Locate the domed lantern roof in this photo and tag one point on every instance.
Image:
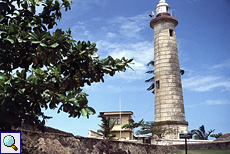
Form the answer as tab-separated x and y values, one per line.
162	7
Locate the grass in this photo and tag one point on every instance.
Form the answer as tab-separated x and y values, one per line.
205	152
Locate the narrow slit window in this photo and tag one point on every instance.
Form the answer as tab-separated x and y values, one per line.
158	84
171	32
118	121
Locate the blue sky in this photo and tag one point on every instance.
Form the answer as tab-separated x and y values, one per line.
121	28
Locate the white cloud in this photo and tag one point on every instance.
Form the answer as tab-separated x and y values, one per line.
121	88
79	26
86	33
193	1
130	27
217	102
126	40
121	37
111	35
192	105
111	87
203	83
225	64
141	52
209	102
87	4
81	31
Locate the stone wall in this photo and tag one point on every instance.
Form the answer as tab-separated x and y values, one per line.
59	142
65	143
215	145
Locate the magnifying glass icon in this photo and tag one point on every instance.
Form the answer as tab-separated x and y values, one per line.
9	141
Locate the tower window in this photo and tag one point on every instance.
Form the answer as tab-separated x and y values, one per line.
171	32
158	84
167	8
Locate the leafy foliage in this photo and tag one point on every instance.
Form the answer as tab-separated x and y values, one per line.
40	69
151	80
133	125
149	127
216	135
106	126
201	134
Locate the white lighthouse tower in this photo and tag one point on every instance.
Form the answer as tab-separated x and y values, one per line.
169	105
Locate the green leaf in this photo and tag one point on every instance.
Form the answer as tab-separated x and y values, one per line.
1	18
76	103
3	32
37	2
84	112
58	33
130	60
20	40
121	64
59	67
57	74
11	29
40	43
2	76
11	40
90	110
2	83
62	97
28	25
30	77
79	45
82	52
21	91
3	101
107	69
54	45
35	80
23	74
8	82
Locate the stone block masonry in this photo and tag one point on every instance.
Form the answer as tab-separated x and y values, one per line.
169	104
167	73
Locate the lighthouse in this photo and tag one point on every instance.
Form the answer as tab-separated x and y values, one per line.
169	104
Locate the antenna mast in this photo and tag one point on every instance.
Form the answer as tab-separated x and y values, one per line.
120	115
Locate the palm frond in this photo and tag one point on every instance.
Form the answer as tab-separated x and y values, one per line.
150	79
106	126
209	133
202	130
99	131
111	124
150	72
151	87
200	134
150	63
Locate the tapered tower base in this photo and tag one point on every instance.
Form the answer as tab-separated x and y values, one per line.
171	129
